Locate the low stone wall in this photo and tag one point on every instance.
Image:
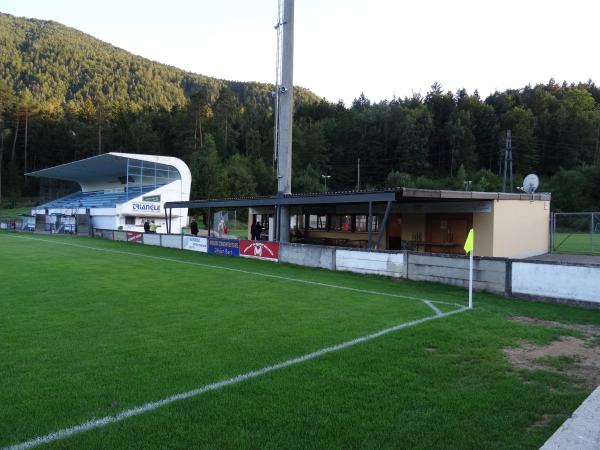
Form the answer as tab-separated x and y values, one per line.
557	281
152	239
308	255
171	240
371	263
489	274
120	236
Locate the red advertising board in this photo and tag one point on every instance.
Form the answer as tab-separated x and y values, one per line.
134	236
260	250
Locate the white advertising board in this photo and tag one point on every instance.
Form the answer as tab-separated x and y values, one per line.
197	244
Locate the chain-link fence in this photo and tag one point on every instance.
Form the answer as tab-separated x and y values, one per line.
576	232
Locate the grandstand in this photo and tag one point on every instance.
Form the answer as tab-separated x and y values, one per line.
118	191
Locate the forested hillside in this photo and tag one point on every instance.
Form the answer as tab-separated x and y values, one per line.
65	95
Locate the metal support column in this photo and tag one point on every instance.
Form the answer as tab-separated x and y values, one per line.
552	231
383	226
370	224
592	234
275	223
209	222
167	223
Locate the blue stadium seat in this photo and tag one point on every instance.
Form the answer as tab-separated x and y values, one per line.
96	199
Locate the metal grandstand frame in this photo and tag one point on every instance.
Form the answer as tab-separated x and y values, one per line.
139	171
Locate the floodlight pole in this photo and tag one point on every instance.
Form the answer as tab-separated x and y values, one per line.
285	117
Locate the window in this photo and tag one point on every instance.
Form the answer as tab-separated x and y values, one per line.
297	221
361	223
347	223
335	223
129	220
341	223
317	222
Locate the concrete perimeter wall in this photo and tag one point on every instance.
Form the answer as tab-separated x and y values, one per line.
371	263
560	281
151	239
566	283
308	255
489	274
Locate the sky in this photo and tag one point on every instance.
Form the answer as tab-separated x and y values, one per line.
382	48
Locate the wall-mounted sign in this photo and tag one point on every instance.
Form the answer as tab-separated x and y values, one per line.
151	198
197	244
145	207
224	247
260	250
134	236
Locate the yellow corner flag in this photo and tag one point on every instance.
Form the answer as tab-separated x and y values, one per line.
469	241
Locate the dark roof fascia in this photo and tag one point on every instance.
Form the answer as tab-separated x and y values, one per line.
422	194
294	199
400	194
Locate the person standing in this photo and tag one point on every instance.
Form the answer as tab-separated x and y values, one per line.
147	226
257	231
253	231
194	227
152	227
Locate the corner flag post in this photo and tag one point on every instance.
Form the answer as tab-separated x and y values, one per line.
469	249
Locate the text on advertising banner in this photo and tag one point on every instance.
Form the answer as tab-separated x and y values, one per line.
197	244
224	247
260	249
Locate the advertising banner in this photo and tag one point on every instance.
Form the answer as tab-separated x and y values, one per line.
134	236
224	247
197	244
260	250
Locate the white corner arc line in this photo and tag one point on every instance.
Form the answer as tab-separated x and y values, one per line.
428	302
151	406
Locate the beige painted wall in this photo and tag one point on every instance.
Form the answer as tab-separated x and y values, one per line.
483	224
521	228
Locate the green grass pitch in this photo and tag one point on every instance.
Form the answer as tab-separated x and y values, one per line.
91	328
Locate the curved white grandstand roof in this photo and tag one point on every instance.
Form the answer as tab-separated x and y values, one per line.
110	166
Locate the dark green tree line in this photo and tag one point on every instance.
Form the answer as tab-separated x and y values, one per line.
66	96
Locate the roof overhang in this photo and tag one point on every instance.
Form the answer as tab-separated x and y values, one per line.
103	166
440	194
106	166
290	199
356	197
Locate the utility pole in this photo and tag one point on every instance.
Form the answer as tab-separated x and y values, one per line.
358	175
285	101
508	161
597	155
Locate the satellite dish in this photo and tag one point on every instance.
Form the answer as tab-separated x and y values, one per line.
530	183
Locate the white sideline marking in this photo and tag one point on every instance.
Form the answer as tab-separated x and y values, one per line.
249	272
107	420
